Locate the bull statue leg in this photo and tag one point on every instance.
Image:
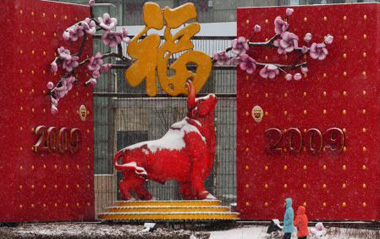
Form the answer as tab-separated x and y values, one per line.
133	182
197	150
126	187
186	191
141	192
199	187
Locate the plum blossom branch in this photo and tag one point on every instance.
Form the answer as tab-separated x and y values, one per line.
69	63
284	41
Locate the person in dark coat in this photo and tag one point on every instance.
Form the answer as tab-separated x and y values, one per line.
301	223
288	219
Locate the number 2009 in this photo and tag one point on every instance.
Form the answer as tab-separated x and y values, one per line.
60	140
313	140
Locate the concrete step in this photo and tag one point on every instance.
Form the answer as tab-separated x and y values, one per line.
168	216
183	208
169	203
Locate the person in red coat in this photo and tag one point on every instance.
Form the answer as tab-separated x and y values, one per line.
301	222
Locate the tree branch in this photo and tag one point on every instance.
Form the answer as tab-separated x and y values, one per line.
268	43
288	67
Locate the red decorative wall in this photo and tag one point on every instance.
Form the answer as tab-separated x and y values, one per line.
41	186
341	91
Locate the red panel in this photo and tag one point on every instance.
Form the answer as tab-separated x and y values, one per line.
41	186
334	94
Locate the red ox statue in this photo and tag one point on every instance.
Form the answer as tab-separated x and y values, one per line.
184	154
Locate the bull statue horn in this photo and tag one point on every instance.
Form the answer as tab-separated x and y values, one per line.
190	94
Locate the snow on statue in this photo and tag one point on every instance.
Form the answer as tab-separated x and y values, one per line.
184	154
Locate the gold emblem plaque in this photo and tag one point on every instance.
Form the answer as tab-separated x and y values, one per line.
257	113
83	112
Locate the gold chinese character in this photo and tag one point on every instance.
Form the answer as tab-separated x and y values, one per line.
152	56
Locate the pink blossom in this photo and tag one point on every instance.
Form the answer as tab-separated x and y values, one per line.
111	39
329	39
304	49
66	35
54	101
289	11
91	81
60	94
54	109
96	74
89	26
269	71
69	65
280	25
289	77
107	23
124	35
71	79
257	28
247	63
318	51
78	30
239	46
64	54
95	62
105	67
304	70
74	33
50	85
64	87
297	76
53	67
307	37
69	83
91	3
221	58
287	43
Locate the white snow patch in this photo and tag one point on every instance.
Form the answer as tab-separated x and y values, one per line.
271	67
204	97
277	222
197	122
318	231
210	197
252	232
172	140
138	170
229	196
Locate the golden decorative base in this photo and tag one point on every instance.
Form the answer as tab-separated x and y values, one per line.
194	210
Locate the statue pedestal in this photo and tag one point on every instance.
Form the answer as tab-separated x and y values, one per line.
168	211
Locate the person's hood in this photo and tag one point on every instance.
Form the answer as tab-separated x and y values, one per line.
288	202
301	210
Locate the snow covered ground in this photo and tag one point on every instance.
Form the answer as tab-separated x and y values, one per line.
92	231
118	231
259	232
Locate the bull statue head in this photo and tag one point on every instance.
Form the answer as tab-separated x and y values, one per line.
199	107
